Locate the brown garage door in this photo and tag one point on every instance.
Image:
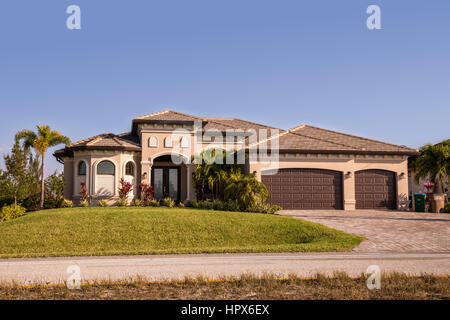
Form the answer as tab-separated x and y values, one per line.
375	189
305	188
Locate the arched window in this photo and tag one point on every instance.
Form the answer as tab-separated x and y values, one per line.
153	142
129	169
106	168
184	143
106	176
168	143
82	168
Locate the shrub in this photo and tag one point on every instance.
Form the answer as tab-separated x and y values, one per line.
181	205
103	203
124	189
9	212
248	192
276	208
137	203
121	203
206	204
231	205
168	202
218	205
194	204
84	203
147	193
153	203
67	203
447	207
83	192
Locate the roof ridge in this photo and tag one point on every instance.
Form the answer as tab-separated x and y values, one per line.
367	139
85	140
98	137
153	114
259	124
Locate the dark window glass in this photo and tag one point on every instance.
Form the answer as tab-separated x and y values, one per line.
82	168
106	168
129	169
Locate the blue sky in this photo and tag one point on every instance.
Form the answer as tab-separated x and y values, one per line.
281	63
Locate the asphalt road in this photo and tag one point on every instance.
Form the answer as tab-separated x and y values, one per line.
171	267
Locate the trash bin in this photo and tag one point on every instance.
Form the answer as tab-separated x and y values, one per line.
437	203
419	202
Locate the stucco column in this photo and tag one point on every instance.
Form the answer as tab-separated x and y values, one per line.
146	172
189	188
349	190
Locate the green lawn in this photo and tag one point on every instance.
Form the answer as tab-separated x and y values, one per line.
129	231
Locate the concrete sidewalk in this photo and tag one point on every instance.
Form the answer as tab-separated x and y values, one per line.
170	267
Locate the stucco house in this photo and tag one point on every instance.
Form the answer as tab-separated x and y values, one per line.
304	168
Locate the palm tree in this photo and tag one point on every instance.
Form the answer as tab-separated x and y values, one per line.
41	141
245	189
433	163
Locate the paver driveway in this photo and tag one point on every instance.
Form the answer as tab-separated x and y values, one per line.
386	231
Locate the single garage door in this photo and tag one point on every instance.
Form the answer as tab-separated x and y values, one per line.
375	189
305	188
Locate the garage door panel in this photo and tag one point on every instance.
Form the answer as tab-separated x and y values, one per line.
375	189
306	189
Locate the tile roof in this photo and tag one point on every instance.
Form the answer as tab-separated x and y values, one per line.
309	138
125	141
303	138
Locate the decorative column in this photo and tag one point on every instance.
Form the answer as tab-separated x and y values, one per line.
146	171
190	188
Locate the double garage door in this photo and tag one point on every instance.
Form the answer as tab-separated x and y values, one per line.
323	189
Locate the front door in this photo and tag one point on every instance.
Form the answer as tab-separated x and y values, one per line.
166	182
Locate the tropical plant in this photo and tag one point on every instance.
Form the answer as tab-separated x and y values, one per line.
121	202
67	203
41	141
83	192
125	188
137	203
12	212
433	163
168	202
103	203
84	203
246	190
147	193
211	173
154	203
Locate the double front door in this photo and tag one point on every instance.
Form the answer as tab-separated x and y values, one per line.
166	182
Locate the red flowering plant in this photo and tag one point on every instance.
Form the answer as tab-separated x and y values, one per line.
147	192
124	189
428	187
83	192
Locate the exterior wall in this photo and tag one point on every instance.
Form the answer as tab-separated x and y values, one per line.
68	178
348	165
92	159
